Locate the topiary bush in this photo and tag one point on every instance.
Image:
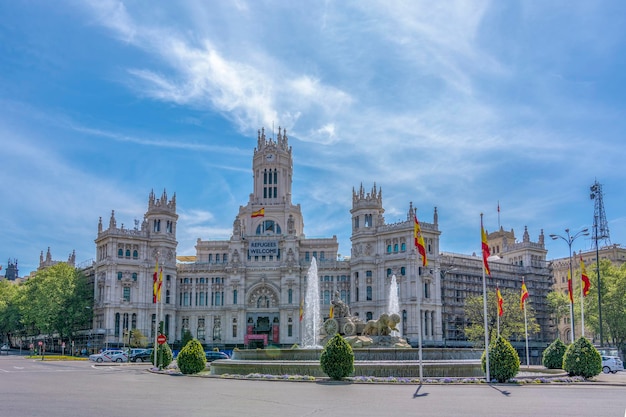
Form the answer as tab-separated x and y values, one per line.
503	360
582	359
191	358
165	356
553	355
337	359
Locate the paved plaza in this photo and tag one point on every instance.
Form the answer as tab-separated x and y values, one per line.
79	388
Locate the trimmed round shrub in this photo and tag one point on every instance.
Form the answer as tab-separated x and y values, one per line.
191	358
582	359
165	356
503	360
553	355
337	359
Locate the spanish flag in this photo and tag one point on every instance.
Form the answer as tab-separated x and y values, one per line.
584	277
524	296
301	309
485	247
331	313
259	213
500	302
159	284
155	281
570	287
419	240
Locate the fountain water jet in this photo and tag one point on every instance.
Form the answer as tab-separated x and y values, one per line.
394	305
311	316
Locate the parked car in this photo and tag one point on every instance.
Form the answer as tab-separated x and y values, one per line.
212	355
612	364
109	356
142	355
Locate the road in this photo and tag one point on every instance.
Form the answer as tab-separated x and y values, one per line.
37	388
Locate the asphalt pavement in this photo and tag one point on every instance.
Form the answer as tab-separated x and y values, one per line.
30	387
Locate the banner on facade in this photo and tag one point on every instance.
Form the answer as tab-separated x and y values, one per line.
263	248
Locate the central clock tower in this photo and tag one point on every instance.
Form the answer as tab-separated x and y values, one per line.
269	209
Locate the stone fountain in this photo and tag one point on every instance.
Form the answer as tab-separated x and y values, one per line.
379	350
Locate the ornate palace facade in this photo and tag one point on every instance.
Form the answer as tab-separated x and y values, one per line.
247	290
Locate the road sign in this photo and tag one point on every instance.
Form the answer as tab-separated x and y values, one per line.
161	339
40	343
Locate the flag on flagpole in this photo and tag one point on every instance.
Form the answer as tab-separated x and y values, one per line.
301	309
485	247
259	213
500	302
584	277
160	284
570	287
155	279
524	296
331	313
419	240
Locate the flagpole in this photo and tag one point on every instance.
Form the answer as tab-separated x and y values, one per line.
155	278
582	307
485	308
419	327
498	214
421	251
570	289
526	333
498	303
160	300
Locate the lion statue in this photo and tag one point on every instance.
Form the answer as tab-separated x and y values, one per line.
385	324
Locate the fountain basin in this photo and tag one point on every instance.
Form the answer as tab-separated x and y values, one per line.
450	368
361	354
436	362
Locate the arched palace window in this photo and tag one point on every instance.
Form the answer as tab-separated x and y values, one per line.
268	227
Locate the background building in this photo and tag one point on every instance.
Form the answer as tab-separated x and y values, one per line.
560	267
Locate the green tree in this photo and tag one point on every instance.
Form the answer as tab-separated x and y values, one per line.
10	319
558	305
191	358
164	355
337	359
553	355
582	359
613	292
137	339
56	300
511	322
503	360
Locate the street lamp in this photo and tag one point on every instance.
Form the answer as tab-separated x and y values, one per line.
569	240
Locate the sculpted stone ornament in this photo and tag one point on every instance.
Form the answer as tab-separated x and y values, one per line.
383	326
373	334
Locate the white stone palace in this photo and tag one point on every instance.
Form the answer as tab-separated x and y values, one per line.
247	290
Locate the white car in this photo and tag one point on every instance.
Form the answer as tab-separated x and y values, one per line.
109	356
612	364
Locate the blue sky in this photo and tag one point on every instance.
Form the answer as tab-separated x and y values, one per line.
455	105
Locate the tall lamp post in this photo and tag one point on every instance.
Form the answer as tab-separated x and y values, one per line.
569	239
